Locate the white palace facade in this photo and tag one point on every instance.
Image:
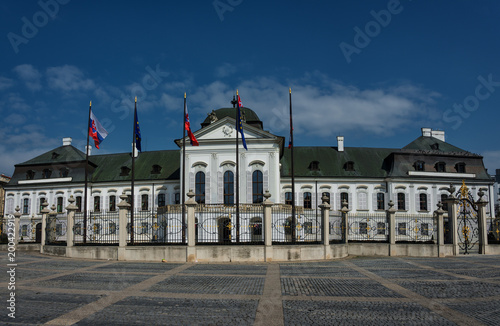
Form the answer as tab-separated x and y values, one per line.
415	177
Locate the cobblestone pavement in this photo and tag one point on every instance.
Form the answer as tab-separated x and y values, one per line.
364	291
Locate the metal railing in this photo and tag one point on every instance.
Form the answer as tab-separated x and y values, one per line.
307	224
416	228
56	229
165	226
336	227
368	227
102	228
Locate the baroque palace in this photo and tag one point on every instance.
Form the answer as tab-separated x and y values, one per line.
365	180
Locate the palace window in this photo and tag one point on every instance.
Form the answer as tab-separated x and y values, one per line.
177	198
156	169
288	198
344	196
46	173
112	203
124	171
314	166
257	187
423	202
380	201
78	203
63	172
441	167
307	200
349	166
60	204
362	200
401	201
30	175
42	200
460	167
200	188
419	166
161	200
144	202
97	203
443	201
26	206
228	188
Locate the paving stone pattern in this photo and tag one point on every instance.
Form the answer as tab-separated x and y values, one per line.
462	290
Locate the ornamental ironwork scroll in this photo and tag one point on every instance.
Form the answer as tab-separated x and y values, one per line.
467	220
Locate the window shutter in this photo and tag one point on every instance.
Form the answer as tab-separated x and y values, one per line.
429	203
407	202
313	200
299	198
417	202
191	182
156	200
374	201
283	196
349	196
220	187
91	203
332	200
10	206
249	188
29	206
137	206
265	184
338	204
37	208
208	188
172	200
106	203
150	203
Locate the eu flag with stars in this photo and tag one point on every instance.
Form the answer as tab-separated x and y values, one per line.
137	131
240	124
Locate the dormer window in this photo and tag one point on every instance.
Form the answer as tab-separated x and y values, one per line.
314	166
349	166
124	171
435	146
419	166
30	175
46	173
55	155
156	169
460	167
63	173
441	167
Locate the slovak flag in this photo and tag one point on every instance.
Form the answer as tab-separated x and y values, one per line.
96	130
187	127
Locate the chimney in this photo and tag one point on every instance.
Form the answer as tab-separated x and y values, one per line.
67	141
439	134
90	149
426	132
340	143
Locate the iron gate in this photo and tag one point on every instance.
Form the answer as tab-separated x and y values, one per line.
467	222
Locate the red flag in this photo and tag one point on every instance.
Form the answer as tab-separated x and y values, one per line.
187	127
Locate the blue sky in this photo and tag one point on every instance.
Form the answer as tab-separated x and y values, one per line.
372	71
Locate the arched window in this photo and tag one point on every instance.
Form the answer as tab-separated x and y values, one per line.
344	196
78	203
419	166
144	202
161	200
441	167
362	200
228	188
60	204
288	198
423	202
97	203
42	200
460	167
257	187
26	206
200	188
401	201
112	203
307	200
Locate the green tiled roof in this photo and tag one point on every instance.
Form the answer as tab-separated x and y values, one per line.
251	117
109	166
427	143
60	155
368	162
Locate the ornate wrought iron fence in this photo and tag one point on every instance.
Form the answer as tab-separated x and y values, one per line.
219	224
368	227
161	227
102	228
307	225
416	228
494	232
337	227
56	229
29	230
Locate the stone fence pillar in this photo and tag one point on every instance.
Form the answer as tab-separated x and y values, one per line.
345	221
325	226
71	208
123	208
191	225
481	222
439	213
17	217
391	219
452	218
268	229
44	212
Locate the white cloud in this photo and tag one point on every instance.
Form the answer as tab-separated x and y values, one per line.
68	78
29	75
5	83
225	70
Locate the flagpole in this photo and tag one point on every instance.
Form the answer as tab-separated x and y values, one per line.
132	206
86	178
183	183
238	125
293	170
